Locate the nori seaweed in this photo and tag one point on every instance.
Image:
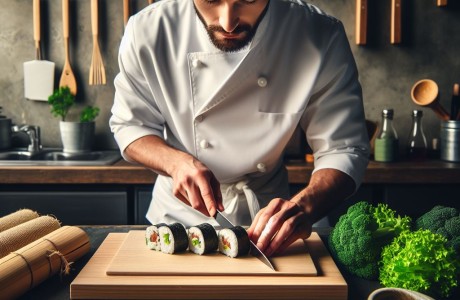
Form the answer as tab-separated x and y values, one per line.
180	237
211	241
243	240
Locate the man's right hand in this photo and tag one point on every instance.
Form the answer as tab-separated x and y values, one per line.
194	183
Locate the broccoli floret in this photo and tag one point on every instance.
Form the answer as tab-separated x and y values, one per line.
420	261
442	220
357	240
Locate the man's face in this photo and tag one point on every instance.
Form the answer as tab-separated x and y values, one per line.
231	24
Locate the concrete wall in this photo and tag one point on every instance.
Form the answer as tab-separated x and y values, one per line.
430	49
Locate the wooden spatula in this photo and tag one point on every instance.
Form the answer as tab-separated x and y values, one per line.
395	36
126	11
67	76
361	22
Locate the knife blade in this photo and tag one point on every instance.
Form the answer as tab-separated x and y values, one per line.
255	251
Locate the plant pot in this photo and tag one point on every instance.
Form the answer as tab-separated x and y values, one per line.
77	137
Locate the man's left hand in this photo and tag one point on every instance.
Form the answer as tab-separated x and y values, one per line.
278	225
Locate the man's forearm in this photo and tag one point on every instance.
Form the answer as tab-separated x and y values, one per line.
153	152
327	188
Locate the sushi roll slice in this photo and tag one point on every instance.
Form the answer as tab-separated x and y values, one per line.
152	237
202	239
234	241
173	238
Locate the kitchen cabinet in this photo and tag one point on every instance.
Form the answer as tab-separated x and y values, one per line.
72	205
142	199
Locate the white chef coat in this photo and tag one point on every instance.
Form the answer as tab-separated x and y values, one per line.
236	112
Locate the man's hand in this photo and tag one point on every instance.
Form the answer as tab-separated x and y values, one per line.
278	225
196	185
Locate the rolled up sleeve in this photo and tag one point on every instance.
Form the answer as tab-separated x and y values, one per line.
334	120
134	113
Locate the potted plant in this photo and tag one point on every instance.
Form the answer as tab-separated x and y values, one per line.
76	137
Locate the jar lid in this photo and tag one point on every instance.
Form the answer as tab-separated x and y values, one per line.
451	124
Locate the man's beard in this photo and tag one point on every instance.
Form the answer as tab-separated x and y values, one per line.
232	45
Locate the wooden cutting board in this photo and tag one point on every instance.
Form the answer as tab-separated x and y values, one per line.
134	258
93	282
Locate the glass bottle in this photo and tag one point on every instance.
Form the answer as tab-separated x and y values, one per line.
417	147
386	144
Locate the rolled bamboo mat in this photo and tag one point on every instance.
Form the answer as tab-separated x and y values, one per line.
16	218
34	263
25	233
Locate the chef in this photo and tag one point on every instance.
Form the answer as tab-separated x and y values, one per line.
209	94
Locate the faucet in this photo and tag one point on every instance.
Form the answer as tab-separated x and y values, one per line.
34	135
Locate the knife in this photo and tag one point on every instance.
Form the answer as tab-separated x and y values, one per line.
255	251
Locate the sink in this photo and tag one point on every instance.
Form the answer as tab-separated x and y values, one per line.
56	157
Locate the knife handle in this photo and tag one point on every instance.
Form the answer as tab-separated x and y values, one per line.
361	22
395	22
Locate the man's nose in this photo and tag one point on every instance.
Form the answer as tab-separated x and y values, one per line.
229	18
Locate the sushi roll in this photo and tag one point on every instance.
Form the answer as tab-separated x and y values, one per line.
173	238
152	237
202	239
234	241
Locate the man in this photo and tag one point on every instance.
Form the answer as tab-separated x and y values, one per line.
209	94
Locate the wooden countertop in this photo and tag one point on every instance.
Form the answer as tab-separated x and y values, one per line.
428	172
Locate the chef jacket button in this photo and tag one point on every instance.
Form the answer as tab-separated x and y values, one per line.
262	81
196	63
204	144
261	167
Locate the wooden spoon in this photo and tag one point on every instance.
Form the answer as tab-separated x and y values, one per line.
361	22
426	93
67	76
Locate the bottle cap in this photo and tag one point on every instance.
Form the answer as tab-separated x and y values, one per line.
417	113
387	112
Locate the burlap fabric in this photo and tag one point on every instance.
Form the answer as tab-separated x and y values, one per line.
17	237
16	218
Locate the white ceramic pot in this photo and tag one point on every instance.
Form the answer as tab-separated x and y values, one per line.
77	137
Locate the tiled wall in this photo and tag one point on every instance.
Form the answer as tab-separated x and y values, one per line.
430	49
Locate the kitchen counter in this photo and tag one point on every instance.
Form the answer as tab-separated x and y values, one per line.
57	288
428	172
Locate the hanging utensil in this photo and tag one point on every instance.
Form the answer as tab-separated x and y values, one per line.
395	36
126	11
38	73
151	1
442	2
426	93
96	70
361	22
67	76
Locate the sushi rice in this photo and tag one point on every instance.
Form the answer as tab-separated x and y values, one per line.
152	237
173	238
202	239
234	241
